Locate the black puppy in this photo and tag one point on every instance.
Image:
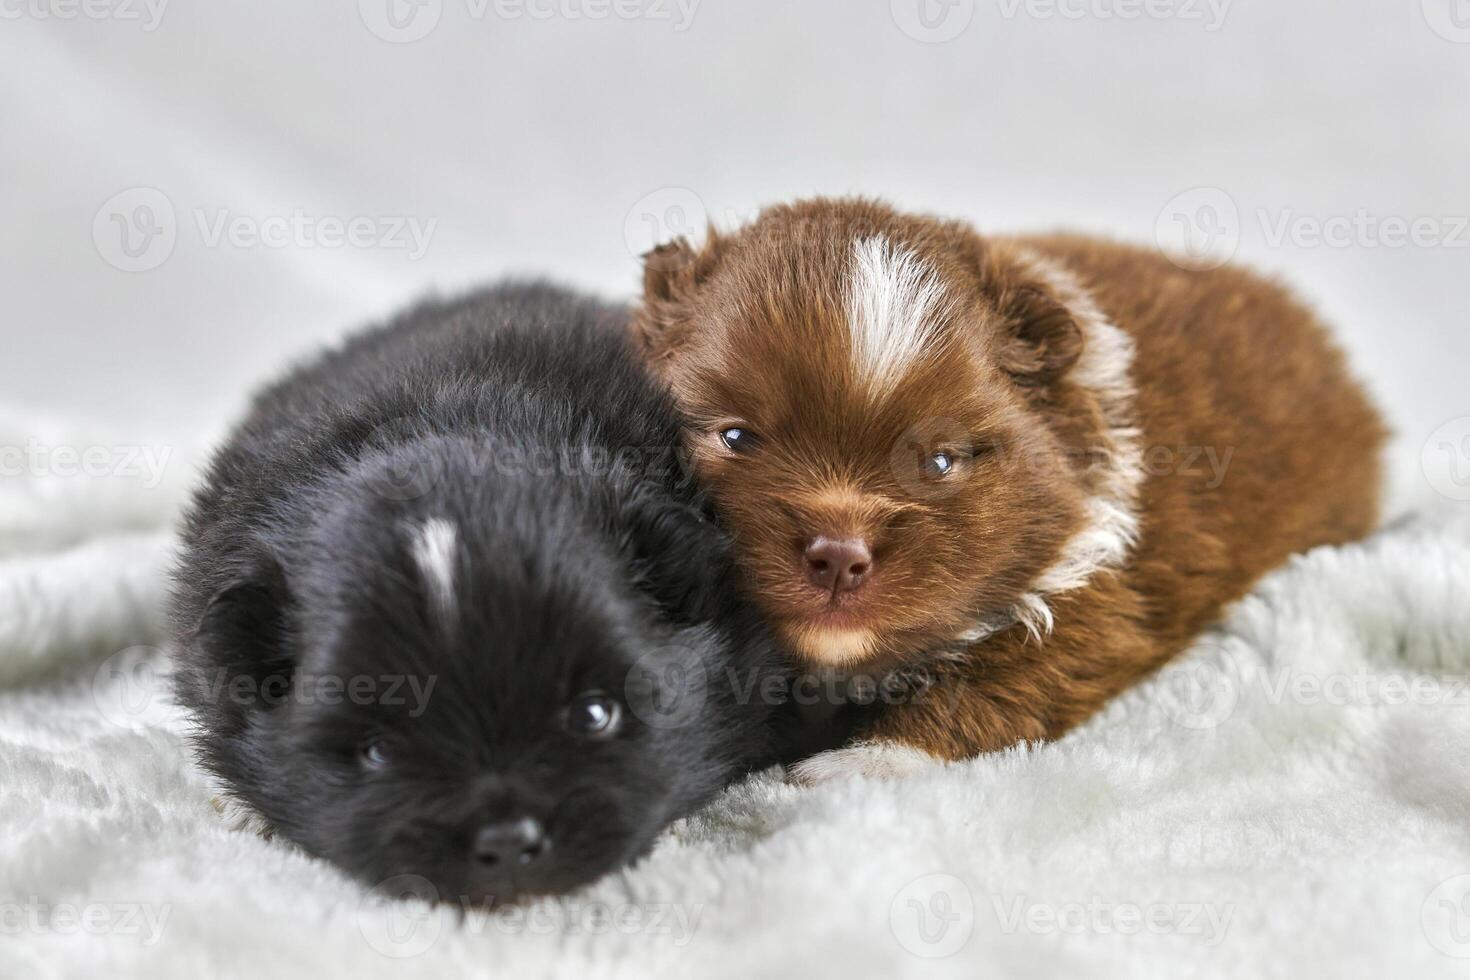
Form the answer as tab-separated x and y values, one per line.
449	606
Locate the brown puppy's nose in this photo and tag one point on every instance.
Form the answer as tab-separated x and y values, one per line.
838	564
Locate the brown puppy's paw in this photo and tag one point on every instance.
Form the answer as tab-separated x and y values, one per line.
866	760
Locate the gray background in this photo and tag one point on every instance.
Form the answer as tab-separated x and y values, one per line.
549	143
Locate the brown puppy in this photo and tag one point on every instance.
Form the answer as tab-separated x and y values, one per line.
1037	467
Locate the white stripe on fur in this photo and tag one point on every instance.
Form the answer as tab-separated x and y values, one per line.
894	305
435	551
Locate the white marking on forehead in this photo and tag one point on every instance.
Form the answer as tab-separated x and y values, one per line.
894	303
435	551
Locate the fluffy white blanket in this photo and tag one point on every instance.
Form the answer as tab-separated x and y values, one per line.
1291	799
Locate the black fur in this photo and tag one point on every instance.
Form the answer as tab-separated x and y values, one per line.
585	562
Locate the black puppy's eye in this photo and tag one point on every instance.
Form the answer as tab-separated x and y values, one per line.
374	754
737	440
594	716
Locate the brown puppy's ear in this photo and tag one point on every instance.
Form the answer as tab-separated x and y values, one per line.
1039	337
672	274
1044	338
664	268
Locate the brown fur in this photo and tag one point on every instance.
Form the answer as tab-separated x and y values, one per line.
752	329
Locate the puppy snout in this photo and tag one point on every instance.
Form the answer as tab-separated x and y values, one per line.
511	843
838	564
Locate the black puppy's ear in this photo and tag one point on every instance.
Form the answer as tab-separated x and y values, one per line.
242	639
1043	338
681	557
672	275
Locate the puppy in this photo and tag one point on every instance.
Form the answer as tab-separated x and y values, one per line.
1036	467
448	605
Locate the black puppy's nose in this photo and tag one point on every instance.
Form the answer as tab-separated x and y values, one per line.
511	842
837	565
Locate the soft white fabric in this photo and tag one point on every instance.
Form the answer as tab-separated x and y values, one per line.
1269	806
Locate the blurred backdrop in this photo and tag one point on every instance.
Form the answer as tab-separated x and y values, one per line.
192	194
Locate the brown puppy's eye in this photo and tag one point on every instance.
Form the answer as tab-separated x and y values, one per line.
939	465
737	440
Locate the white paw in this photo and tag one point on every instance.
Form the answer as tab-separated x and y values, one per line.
868	760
